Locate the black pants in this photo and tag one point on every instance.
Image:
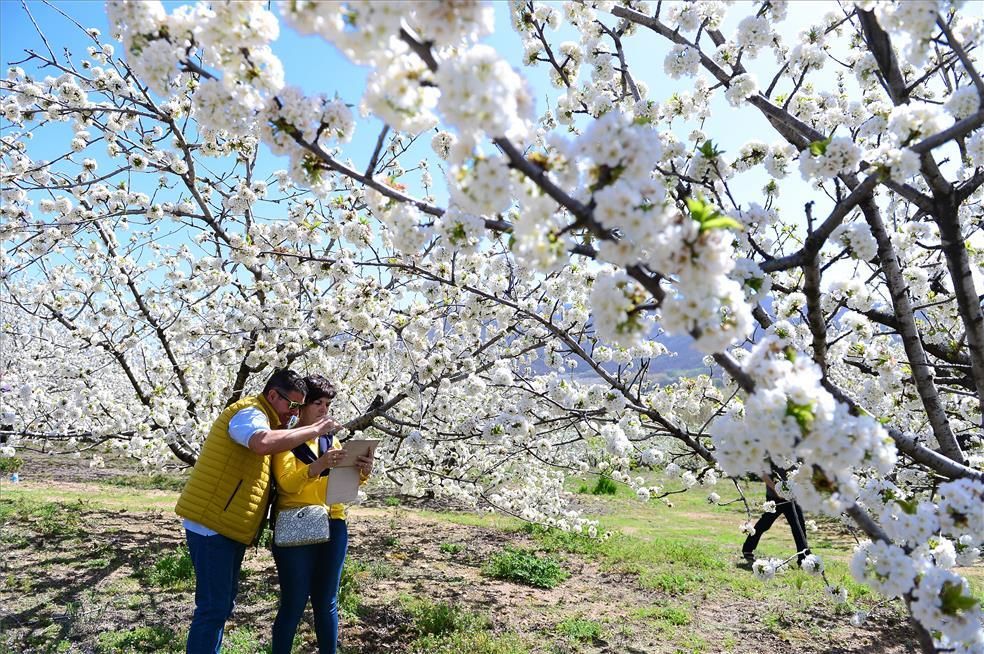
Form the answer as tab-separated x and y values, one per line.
794	516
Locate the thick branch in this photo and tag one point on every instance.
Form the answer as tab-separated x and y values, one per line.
921	372
968	303
880	45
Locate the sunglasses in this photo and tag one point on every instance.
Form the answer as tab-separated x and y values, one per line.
291	404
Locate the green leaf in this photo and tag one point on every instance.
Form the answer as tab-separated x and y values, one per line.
700	210
802	414
954	601
710	151
908	506
818	148
708	216
720	222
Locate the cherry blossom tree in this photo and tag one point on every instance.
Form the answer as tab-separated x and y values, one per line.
152	283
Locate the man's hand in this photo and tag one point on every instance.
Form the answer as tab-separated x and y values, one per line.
327	425
365	464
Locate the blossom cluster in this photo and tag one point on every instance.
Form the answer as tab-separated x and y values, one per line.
927	540
612	159
794	422
234	39
474	81
841	155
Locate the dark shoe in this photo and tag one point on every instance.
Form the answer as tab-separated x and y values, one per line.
749	556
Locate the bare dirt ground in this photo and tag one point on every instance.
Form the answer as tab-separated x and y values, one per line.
73	577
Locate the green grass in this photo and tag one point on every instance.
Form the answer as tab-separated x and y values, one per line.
10	464
241	641
489	520
480	642
444	628
95	497
670	565
524	567
691	547
266	537
173	570
672	583
140	639
686	555
665	617
348	589
451	548
692	644
580	629
604	486
355	575
775	621
691	550
96	564
439	618
49	520
156	481
556	540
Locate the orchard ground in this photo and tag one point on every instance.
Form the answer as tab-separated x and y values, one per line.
93	561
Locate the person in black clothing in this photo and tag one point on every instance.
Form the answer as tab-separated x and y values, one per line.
794	516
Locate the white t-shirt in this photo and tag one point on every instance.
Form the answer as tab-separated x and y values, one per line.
243	425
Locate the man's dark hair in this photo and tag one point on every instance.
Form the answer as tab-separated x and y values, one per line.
319	387
285	380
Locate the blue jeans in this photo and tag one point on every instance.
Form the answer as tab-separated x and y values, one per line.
217	561
310	571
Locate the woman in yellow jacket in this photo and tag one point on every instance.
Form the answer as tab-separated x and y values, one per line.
311	570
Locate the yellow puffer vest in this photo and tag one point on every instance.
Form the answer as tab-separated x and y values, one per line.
230	484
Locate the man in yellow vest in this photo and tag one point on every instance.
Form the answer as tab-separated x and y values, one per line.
224	501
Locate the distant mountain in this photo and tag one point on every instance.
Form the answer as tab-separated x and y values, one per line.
682	360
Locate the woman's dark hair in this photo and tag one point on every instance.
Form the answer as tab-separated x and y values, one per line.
286	380
319	387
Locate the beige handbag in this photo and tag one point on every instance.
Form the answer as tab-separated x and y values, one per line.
303	525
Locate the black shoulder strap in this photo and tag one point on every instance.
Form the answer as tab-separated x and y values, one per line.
304	454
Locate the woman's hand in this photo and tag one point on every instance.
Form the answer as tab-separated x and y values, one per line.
365	465
333	457
329	459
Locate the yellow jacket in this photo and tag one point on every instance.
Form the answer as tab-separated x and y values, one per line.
230	484
295	488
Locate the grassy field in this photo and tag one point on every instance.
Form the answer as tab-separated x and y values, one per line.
100	566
